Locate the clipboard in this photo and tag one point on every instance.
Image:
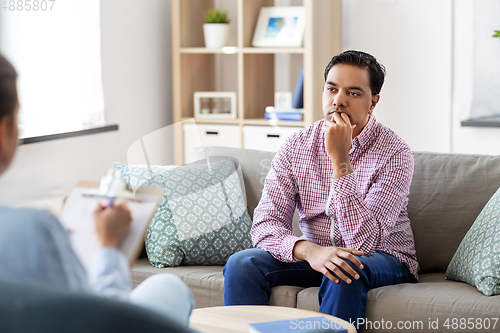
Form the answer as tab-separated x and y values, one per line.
77	217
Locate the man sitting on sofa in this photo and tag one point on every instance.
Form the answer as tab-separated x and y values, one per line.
349	177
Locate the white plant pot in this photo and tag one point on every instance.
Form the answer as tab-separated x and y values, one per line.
215	35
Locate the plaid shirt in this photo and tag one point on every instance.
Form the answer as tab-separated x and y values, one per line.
365	209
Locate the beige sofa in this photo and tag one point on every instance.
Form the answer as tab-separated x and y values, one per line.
447	194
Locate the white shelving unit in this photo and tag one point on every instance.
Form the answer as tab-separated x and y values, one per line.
251	69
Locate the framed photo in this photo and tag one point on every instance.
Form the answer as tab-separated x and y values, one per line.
215	105
280	26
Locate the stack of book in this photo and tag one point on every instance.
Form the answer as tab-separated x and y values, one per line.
293	114
296	111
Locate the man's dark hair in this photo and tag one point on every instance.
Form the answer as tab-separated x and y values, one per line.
362	60
8	90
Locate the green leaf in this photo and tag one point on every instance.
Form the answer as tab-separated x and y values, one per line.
497	33
216	16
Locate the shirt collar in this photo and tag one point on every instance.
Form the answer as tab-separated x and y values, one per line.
367	134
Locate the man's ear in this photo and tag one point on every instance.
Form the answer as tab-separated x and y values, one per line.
3	142
4	122
375	100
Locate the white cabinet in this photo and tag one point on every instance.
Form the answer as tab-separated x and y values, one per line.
268	138
205	135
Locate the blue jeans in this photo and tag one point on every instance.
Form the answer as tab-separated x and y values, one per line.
250	274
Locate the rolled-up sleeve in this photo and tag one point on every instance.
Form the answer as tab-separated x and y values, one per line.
272	225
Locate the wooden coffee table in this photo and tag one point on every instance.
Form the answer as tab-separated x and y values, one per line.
226	319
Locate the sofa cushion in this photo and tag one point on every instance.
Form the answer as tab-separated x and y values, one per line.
446	195
477	260
205	282
202	219
255	165
433	298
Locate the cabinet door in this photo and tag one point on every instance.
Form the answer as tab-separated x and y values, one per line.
205	135
267	138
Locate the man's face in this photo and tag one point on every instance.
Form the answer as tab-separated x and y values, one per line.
347	90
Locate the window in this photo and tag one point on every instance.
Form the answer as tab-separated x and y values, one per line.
485	108
56	51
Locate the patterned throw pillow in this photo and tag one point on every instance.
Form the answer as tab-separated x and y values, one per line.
202	219
477	260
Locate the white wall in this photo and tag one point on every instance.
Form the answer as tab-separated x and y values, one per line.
136	66
413	40
427	47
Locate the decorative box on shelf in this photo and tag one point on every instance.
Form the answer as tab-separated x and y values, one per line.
215	105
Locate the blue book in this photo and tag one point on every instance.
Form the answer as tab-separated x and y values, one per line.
290	116
300	325
298	94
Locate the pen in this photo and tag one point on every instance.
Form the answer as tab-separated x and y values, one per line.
110	202
110	185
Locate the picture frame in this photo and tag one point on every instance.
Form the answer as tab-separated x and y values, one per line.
280	27
215	105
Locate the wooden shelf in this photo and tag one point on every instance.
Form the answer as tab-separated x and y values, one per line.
273	122
212	121
260	122
248	71
204	50
274	50
247	50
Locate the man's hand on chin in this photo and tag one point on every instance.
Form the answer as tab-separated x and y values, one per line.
329	260
338	141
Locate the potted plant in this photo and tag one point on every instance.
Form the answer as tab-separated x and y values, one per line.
497	33
216	28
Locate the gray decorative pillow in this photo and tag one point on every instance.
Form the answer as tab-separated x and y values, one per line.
477	260
202	219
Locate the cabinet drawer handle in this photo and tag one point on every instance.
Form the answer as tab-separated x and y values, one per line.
273	136
212	132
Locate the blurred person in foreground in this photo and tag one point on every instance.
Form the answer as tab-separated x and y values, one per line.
34	247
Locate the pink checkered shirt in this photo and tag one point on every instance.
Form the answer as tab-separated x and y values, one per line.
365	209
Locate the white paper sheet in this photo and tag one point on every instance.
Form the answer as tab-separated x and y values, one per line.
77	218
